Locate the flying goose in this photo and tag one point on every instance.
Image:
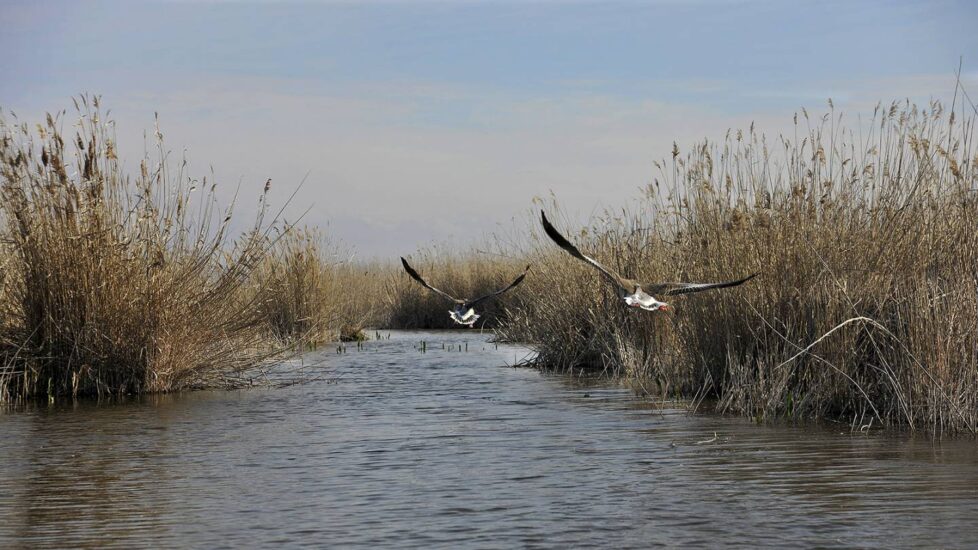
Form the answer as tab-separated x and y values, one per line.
464	312
634	293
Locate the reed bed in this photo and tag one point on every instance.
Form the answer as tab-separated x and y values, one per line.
116	283
293	285
867	305
360	298
310	291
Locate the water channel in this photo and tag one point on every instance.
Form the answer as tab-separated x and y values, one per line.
453	448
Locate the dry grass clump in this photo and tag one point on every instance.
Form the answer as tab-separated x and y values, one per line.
867	306
360	296
294	284
310	292
115	283
468	275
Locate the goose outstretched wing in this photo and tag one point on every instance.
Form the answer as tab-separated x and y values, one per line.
517	281
673	289
414	275
626	285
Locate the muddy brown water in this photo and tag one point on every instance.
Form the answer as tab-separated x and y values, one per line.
395	448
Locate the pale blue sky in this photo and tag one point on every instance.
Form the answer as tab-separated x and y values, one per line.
422	122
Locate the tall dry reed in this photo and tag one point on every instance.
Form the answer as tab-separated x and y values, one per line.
310	291
867	304
116	283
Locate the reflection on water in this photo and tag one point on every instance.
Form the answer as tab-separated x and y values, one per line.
449	448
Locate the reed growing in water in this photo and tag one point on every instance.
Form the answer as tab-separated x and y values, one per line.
309	290
293	284
867	306
114	283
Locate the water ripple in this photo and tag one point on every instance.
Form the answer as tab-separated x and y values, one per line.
396	448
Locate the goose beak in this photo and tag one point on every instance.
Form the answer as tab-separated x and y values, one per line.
666	307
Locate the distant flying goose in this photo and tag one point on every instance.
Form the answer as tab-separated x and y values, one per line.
464	312
633	292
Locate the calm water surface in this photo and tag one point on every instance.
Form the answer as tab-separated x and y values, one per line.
452	449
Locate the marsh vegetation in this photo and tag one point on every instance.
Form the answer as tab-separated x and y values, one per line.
867	304
127	283
865	235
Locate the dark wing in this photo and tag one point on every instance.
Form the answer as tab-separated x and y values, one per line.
673	289
472	303
414	275
566	245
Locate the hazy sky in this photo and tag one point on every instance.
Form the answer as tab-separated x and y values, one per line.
435	121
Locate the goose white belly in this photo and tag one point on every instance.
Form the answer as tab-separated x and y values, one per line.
644	301
464	317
